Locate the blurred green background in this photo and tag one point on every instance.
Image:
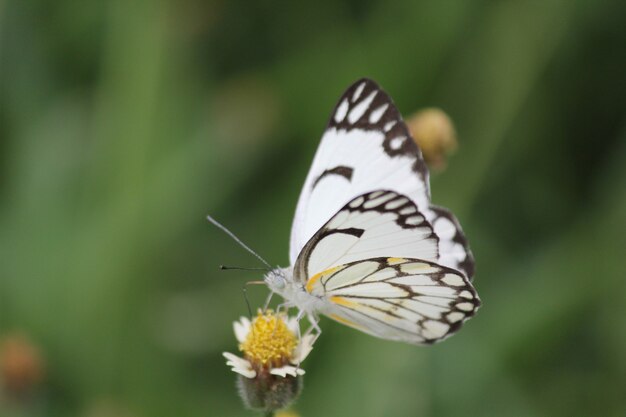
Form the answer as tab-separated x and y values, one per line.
122	124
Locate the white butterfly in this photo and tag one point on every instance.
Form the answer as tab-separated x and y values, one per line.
367	247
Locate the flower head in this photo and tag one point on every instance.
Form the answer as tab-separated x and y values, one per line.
269	372
269	345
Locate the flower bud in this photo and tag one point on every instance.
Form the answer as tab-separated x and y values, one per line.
434	133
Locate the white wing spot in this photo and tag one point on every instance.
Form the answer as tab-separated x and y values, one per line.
358	91
420	267
395	203
389	125
397	142
357	202
341	111
378	201
465	306
376	194
444	228
359	109
408	210
466	294
413	280
414	220
436	328
378	113
454	316
453	280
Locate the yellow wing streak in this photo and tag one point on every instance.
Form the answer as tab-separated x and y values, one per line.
394	261
343	301
311	282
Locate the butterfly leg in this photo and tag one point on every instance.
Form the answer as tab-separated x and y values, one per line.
284	306
298	318
267	301
314	320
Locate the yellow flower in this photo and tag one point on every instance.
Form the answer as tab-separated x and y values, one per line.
269	345
269	342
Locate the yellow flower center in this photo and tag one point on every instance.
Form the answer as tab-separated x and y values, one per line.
269	342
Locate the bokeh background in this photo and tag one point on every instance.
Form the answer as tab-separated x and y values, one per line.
122	124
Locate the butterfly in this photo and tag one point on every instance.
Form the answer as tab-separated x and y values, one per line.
367	248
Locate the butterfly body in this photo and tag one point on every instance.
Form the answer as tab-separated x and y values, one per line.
281	281
368	249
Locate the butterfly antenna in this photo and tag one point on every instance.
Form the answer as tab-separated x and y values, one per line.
240	268
245	294
236	239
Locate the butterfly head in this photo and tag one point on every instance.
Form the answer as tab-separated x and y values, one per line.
276	280
279	280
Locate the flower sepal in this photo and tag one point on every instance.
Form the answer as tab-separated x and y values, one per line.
269	392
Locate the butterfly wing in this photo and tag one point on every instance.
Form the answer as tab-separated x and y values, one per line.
375	224
409	300
454	251
374	266
366	146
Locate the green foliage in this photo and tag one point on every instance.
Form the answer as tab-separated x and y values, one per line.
122	124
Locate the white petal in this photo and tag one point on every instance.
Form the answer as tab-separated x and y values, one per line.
239	365
242	328
248	373
287	370
234	358
304	348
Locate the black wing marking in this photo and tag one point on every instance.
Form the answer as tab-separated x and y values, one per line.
410	300
367	137
397	228
372	109
340	170
366	106
454	249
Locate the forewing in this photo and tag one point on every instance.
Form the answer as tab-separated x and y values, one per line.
409	300
375	224
366	146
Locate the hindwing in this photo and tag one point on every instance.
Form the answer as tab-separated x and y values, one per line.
403	299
